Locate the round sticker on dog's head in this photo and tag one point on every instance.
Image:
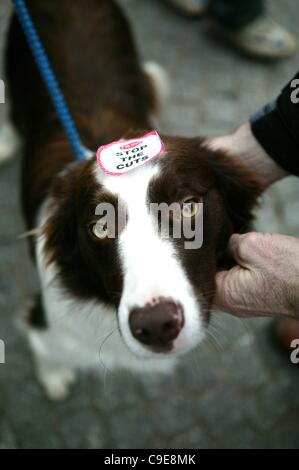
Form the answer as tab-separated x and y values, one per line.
122	156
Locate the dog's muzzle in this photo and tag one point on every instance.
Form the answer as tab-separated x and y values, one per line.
157	324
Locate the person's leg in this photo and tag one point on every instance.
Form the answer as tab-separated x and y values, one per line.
190	7
248	27
236	13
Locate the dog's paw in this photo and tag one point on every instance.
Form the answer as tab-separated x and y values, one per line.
56	381
9	142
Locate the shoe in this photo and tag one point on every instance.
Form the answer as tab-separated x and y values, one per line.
285	331
263	38
190	7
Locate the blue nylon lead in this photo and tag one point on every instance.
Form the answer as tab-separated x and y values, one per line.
49	78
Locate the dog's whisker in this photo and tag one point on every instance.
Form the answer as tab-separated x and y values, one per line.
215	340
31	233
109	335
213	331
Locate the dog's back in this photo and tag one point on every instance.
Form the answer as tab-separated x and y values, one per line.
92	52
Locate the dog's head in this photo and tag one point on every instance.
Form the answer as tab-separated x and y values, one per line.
159	280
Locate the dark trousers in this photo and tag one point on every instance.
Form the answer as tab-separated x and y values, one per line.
236	13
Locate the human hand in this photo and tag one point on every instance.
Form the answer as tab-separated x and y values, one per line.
266	279
242	145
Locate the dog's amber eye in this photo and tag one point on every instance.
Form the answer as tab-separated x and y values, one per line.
100	230
190	208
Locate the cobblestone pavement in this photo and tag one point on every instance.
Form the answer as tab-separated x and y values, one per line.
237	390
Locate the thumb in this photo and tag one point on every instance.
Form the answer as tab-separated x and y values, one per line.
232	285
244	248
240	290
228	289
233	291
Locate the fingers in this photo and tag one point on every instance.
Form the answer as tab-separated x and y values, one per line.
230	284
220	299
229	296
267	263
238	293
234	287
246	249
255	250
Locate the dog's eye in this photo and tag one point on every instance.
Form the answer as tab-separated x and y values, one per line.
100	230
190	208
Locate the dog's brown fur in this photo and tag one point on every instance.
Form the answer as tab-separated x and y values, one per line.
109	95
93	54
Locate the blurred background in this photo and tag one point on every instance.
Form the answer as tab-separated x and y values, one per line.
238	390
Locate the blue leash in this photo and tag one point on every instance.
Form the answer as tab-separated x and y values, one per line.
49	79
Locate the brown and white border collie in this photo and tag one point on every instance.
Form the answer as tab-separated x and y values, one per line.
136	301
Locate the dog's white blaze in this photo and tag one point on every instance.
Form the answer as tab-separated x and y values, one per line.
80	334
84	334
150	264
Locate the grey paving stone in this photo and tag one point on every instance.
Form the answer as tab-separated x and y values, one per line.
221	410
132	428
7	437
194	438
247	438
113	392
286	427
241	365
83	429
172	413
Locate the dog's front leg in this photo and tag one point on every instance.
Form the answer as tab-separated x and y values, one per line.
54	375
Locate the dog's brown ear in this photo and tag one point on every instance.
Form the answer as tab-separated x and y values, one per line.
60	230
239	187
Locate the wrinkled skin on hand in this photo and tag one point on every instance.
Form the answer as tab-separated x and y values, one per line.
265	280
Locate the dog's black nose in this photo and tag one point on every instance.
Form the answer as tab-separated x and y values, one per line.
157	324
